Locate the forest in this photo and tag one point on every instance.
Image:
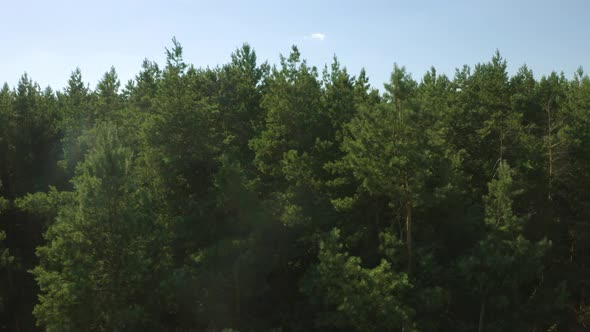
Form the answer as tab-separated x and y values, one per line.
282	197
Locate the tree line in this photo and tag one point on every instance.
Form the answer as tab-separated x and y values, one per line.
259	197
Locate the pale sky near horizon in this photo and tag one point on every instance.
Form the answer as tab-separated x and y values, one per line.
48	39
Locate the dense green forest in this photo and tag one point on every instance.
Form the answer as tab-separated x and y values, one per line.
258	197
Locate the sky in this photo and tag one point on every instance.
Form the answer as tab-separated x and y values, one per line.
48	39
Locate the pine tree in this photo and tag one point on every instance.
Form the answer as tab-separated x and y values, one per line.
109	100
504	260
76	105
6	263
103	251
350	296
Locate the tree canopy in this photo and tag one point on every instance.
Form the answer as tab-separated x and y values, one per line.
282	197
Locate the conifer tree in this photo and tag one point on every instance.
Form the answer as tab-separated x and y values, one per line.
103	251
504	260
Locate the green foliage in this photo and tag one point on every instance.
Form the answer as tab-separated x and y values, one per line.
292	102
349	295
5	258
101	252
46	205
239	96
504	260
195	199
76	105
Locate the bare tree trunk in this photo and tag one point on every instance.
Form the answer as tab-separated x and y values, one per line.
409	236
482	311
501	140
237	295
407	326
550	138
399	109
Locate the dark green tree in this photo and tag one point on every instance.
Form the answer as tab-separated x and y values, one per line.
104	252
504	261
352	297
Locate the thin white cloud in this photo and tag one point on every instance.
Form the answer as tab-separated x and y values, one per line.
316	36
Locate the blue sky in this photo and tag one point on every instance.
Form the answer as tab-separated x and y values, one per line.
48	39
